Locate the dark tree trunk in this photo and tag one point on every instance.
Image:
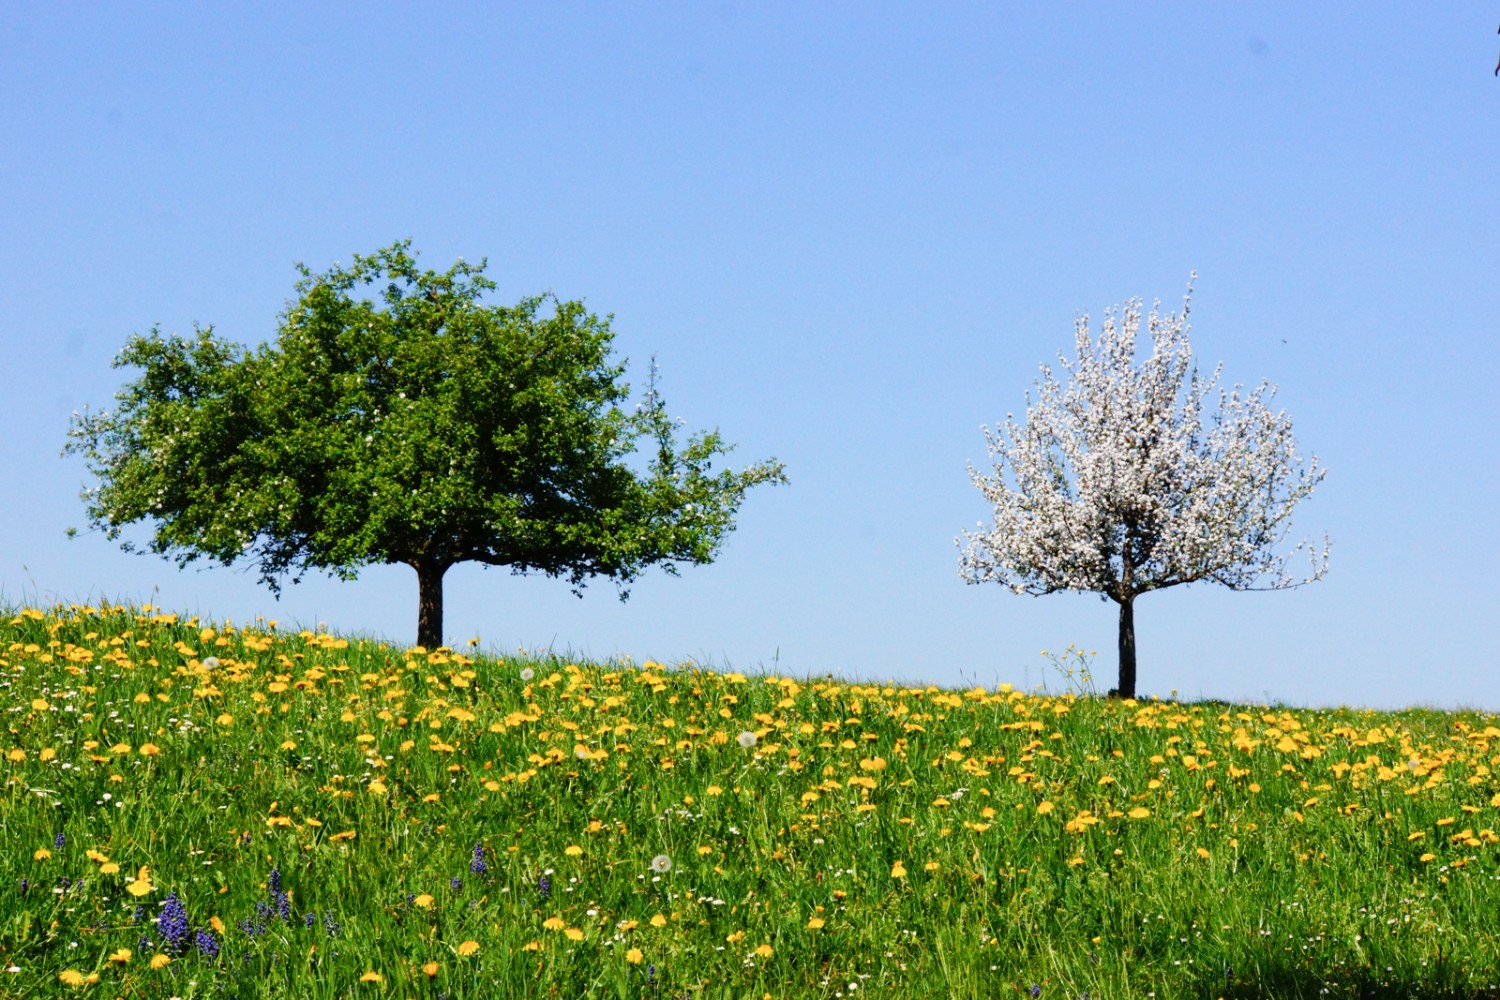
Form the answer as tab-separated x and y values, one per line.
430	603
1127	649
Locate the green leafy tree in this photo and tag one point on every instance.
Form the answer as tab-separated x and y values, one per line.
423	428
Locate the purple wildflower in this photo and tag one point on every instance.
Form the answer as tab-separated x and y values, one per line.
59	840
457	883
173	922
274	880
208	944
544	887
477	866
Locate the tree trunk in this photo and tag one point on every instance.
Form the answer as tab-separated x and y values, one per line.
430	603
1127	649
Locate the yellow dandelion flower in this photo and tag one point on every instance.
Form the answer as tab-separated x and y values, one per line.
1203	852
765	951
468	948
148	750
532	946
1417	836
814	923
122	956
1139	812
1427	857
431	968
1043	808
556	923
658	920
931	866
377	787
572	850
142	883
424	901
372	977
47	754
574	934
713	790
898	870
160	961
634	956
71	976
41	854
225	719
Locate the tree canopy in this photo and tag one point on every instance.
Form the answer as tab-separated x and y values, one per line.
1115	484
421	427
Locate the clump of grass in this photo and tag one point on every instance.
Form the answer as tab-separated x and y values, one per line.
200	810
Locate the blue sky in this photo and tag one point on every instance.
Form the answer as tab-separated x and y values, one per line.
850	233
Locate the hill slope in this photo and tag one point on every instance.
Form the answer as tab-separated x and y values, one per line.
204	810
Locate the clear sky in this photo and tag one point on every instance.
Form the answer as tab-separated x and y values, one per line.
851	233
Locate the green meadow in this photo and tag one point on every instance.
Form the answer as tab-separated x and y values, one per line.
201	809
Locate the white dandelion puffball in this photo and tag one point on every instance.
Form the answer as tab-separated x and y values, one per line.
527	673
661	863
748	739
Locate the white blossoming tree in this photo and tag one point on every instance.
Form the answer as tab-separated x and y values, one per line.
1119	483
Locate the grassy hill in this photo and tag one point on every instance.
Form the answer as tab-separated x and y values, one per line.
201	810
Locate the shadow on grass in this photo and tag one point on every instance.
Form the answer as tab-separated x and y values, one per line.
1279	982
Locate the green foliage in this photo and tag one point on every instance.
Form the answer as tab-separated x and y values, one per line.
423	428
910	841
